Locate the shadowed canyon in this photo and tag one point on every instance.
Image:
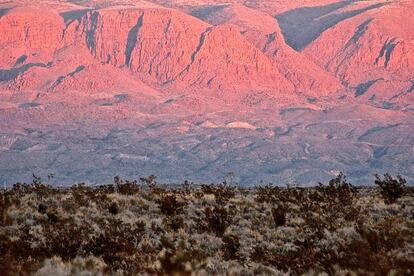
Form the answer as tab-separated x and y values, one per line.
269	91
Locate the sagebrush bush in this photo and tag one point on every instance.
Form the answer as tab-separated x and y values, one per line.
217	219
231	247
126	187
279	215
222	192
338	190
391	188
148	228
170	206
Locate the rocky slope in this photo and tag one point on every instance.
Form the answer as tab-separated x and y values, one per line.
264	32
165	48
372	51
200	88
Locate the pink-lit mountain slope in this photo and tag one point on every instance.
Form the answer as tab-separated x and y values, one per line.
278	91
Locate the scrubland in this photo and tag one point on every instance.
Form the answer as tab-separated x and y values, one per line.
142	227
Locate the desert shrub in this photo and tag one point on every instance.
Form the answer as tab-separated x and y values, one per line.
386	235
352	213
222	192
173	260
117	246
105	189
81	194
7	199
207	189
338	190
217	219
198	194
327	206
126	187
156	234
113	208
36	180
231	247
279	215
19	190
186	188
178	260
391	188
84	195
157	192
150	181
169	205
374	245
174	222
64	238
52	216
267	193
42	208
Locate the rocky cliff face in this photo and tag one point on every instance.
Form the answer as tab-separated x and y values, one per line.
371	51
167	47
263	31
163	47
26	31
216	47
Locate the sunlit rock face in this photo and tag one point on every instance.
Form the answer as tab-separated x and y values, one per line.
276	92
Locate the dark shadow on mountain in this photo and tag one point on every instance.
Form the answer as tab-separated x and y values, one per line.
375	130
363	87
120	98
29	105
408	91
21	60
386	51
301	26
11	74
411	89
71	16
361	30
91	33
4	11
71	74
380	152
132	40
204	12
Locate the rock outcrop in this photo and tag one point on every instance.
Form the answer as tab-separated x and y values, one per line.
163	47
372	52
216	48
264	32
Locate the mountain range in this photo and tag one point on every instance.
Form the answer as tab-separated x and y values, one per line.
267	91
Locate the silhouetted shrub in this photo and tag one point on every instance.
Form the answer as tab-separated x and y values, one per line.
150	181
231	247
391	189
178	260
186	188
267	193
126	187
113	208
338	191
222	192
169	205
42	208
217	219
279	215
174	222
52	216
